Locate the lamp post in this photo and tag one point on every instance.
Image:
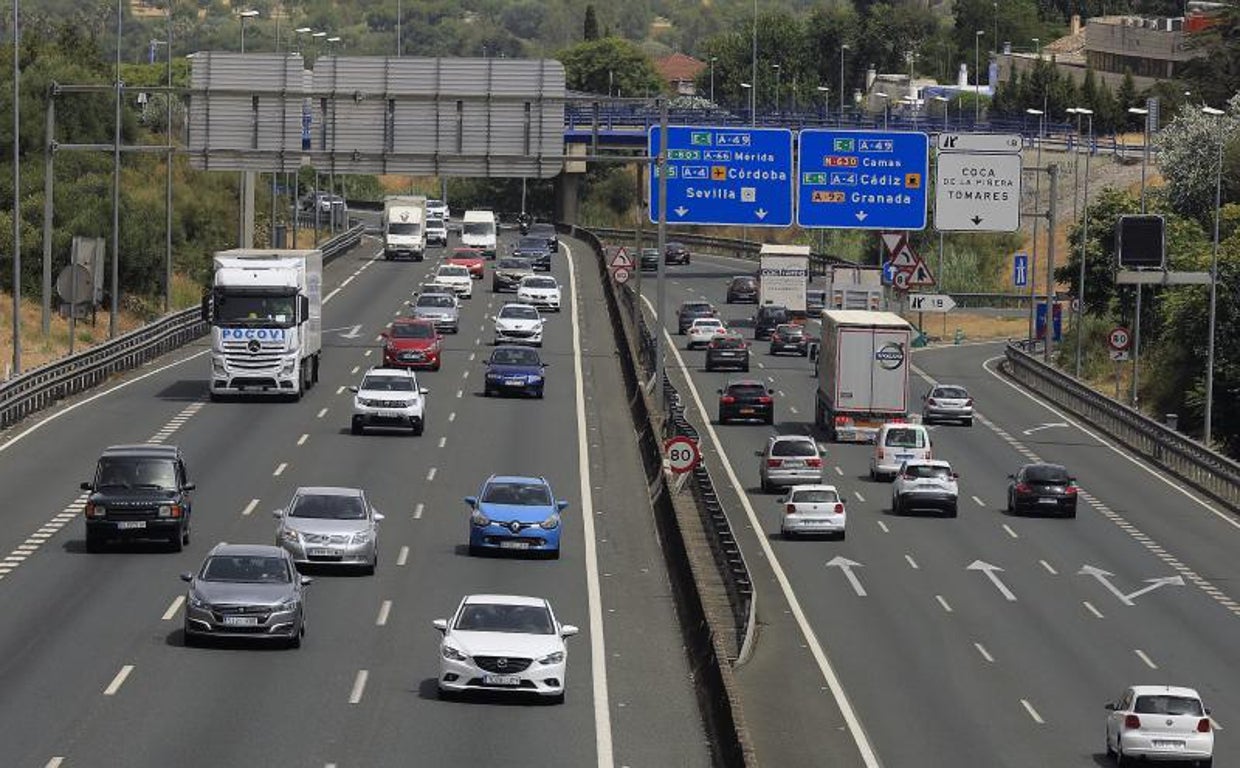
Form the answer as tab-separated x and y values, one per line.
977	75
298	33
995	43
753	84
753	118
826	101
1145	150
17	223
713	59
776	67
1037	206
843	48
1080	279
1218	199
317	37
245	16
1136	331
398	24
331	45
886	107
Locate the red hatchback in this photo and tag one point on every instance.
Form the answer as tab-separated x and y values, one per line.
470	258
411	343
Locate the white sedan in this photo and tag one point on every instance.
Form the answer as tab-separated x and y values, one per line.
813	509
518	324
704	329
541	291
503	643
1159	722
389	397
458	278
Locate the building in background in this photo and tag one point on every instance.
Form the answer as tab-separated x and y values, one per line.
680	73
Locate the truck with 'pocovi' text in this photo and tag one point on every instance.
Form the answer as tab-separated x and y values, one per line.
862	364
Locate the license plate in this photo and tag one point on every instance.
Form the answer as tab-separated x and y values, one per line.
391	415
793	463
241	621
746	411
904	455
1165	744
124	525
1048	501
323	553
514	382
514	545
501	680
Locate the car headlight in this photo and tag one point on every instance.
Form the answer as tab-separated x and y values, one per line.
553	658
479	519
491	375
452	654
287	605
551	523
535	377
198	603
361	537
291	536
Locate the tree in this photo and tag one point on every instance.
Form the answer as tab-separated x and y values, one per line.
591	66
591	24
1188	158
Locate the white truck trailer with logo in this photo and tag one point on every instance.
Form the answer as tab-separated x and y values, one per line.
862	365
404	227
783	274
266	314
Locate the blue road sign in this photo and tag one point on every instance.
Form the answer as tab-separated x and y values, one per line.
724	175
889	272
1039	321
862	179
1020	269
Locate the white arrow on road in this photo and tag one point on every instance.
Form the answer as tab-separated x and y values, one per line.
761	212
1104	577
846	565
1041	427
992	572
861	215
681	211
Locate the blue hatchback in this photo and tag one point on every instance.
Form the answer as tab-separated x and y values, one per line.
515	513
516	370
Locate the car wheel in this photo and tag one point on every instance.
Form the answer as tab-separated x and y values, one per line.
188	639
554	554
873	475
486	392
557	698
1072	512
968	422
369	569
709	367
419	428
94	542
722	419
356	427
1011	509
446	695
763	485
745	369
295	641
841	536
175	543
436	367
539	394
770	419
475	550
896	507
215	397
1120	760
185	535
951	511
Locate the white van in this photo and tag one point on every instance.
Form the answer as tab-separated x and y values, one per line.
896	443
478	230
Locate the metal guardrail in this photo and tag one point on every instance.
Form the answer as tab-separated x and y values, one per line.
719	246
40	387
1192	462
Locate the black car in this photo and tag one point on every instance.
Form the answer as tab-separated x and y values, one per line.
139	492
676	253
746	399
1042	488
768	318
743	288
650	259
536	249
789	338
508	273
690	311
728	351
547	232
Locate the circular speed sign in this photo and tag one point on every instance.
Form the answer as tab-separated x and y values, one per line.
621	275
682	454
1118	339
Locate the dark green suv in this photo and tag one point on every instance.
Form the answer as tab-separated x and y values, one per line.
139	492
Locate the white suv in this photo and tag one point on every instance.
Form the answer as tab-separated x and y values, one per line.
389	397
458	278
925	484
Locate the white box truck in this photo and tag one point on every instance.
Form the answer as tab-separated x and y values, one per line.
854	287
404	227
478	230
783	274
862	364
266	314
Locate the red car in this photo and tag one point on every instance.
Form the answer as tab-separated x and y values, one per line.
411	343
470	258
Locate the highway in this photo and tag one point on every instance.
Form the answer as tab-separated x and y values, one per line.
918	659
92	663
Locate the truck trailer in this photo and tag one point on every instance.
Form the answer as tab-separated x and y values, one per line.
862	365
783	274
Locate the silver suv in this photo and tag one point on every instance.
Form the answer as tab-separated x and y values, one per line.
790	460
925	484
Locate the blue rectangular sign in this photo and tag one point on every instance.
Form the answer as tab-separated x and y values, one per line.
862	179
725	175
1020	269
1056	322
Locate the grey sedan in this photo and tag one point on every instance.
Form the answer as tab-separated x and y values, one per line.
327	525
439	308
246	591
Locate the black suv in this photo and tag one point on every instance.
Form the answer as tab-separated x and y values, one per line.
746	399
768	317
728	351
789	338
690	311
743	288
139	492
547	232
676	253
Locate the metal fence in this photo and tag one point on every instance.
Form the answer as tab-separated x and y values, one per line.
1183	457
40	387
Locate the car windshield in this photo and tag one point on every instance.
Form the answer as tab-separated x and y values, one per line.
951	393
514	356
1046	473
435	224
412	331
402	228
650	253
695	309
816	296
521	494
794	448
467	254
729	342
518	312
543	229
434	300
902	437
514	264
328	507
452	271
246	569
790	330
243	309
746	390
1167	704
532	243
928	472
743	282
478	228
539	282
815	496
497	617
774	314
134	472
707	323
673	246
435	204
384	383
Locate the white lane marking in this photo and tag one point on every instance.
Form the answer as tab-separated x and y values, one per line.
839	471
1049	568
460	393
452	416
866	749
793	408
172	609
859	496
883	525
118	681
430	475
1010	532
979	502
280	469
417	511
321	414
760	365
302	440
359	686
367	353
1090	607
340	389
250	507
912	563
384	609
1143	657
1032	712
598	650
943	603
443	441
465	374
472	356
985	654
54	762
356	368
403	557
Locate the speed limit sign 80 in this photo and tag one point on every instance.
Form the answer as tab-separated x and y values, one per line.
682	454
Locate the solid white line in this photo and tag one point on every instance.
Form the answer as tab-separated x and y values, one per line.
322	413
985	654
403	557
430	475
172	609
1148	661
598	650
1010	532
866	749
1032	712
302	440
883	525
118	681
911	562
943	603
250	507
417	511
980	503
359	686
1090	607
384	609
280	469
1049	568
54	762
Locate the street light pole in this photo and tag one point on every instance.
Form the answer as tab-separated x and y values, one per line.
753	91
843	48
713	59
1037	206
1136	331
826	101
752	115
17	196
776	67
245	15
114	313
1080	280
1218	204
977	75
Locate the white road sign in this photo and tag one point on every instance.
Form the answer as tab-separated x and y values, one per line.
622	259
1119	338
930	302
621	275
682	454
979	142
977	192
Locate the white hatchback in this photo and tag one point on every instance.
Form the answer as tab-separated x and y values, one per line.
813	509
1159	722
704	329
458	278
539	291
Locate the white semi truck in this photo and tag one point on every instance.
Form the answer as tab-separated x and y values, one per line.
783	274
404	227
266	314
862	365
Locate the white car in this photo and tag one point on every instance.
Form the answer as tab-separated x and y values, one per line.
437	209
813	509
518	324
436	232
703	329
925	484
389	397
1159	722
458	278
503	643
541	291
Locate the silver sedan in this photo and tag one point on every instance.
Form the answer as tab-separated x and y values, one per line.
327	525
246	591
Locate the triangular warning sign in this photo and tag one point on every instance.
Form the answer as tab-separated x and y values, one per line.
905	258
892	241
621	260
921	275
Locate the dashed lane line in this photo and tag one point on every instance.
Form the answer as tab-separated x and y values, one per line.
118	681
172	609
359	686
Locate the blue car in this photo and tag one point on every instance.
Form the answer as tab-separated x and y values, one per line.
515	513
536	249
514	370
